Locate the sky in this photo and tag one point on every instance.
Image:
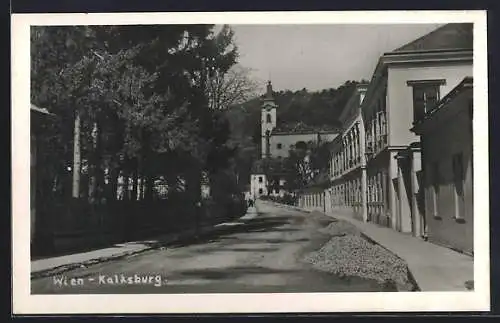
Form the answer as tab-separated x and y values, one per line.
318	57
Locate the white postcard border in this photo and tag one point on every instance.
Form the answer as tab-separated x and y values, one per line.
24	303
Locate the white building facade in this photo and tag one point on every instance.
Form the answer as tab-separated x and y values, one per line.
258	185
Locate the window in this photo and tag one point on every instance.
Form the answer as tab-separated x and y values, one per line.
425	96
268	118
260	191
278	146
260	179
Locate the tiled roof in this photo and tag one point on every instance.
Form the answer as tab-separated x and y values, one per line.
449	36
302	128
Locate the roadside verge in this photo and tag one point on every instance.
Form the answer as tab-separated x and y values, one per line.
55	265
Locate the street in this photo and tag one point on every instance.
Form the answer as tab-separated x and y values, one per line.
261	255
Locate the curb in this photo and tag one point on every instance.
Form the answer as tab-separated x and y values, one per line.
176	238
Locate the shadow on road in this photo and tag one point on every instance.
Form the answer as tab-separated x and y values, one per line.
228	272
261	223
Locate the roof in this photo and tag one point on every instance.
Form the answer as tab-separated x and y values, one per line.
360	89
302	128
447	37
451	42
34	108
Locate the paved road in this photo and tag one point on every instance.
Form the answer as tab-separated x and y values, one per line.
262	255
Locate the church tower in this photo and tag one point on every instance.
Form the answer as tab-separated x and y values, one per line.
267	120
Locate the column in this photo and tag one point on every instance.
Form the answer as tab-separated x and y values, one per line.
328	200
418	217
344	155
406	212
400	194
380	198
358	150
356	153
360	141
351	145
385	207
384	126
404	209
393	191
364	193
341	157
332	164
354	143
346	149
349	149
372	135
336	163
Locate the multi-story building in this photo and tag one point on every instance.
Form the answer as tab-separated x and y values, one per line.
405	85
446	139
347	164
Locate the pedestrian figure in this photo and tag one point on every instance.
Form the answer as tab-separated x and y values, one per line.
250	202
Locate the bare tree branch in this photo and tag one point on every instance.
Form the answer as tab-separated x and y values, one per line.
234	87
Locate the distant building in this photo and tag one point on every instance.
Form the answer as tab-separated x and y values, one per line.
447	160
258	185
278	140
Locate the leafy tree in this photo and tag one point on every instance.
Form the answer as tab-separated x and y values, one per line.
140	92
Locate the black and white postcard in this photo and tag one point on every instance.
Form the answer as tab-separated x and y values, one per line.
250	162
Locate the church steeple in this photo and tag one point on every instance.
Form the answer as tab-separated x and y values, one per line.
268	120
269	91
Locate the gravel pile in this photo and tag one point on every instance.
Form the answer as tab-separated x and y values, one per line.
352	255
341	228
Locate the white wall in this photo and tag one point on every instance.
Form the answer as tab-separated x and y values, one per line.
400	95
288	140
255	185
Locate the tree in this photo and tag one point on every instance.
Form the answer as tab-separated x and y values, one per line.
140	95
231	88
